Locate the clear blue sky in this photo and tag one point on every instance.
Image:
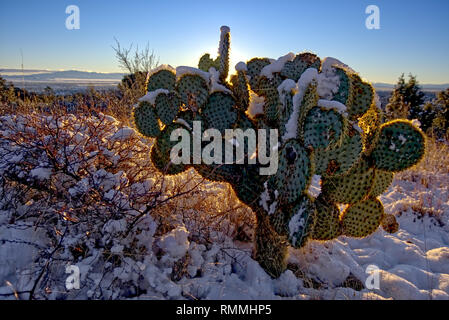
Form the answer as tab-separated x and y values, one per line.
414	35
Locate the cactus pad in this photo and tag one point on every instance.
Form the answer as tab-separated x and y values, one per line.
322	128
400	146
240	88
250	186
146	121
362	218
193	91
327	224
343	93
206	63
163	79
220	112
352	187
362	95
309	101
294	69
370	123
223	51
218	172
382	180
160	152
339	159
294	172
255	66
167	106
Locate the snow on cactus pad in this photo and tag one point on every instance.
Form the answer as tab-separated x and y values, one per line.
400	146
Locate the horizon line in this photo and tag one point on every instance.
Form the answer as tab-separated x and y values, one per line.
125	73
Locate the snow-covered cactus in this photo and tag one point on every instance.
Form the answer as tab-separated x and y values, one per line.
329	126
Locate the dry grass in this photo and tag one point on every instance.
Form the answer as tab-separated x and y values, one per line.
435	160
432	172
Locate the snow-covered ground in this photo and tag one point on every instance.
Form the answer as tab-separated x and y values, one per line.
198	250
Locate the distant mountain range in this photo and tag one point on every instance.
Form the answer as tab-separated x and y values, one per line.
430	87
16	75
31	76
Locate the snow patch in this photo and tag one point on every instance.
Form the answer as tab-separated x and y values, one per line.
277	65
295	223
151	96
256	105
183	122
41	173
314	189
175	243
335	105
214	82
292	124
123	134
241	66
183	70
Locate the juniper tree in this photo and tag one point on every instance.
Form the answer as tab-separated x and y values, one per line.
414	97
396	107
440	123
407	101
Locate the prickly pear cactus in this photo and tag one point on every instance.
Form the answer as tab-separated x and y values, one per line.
330	129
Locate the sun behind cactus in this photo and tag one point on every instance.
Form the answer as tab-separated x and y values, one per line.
329	125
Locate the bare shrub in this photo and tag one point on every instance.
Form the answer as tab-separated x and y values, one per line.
86	183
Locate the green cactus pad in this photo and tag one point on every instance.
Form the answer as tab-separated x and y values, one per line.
193	91
322	128
294	171
362	218
146	121
224	48
370	123
244	123
255	66
339	159
352	187
160	152
382	180
268	89
362	94
309	101
284	113
163	79
250	186
400	146
167	106
220	112
343	93
240	88
294	69
206	63
327	224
